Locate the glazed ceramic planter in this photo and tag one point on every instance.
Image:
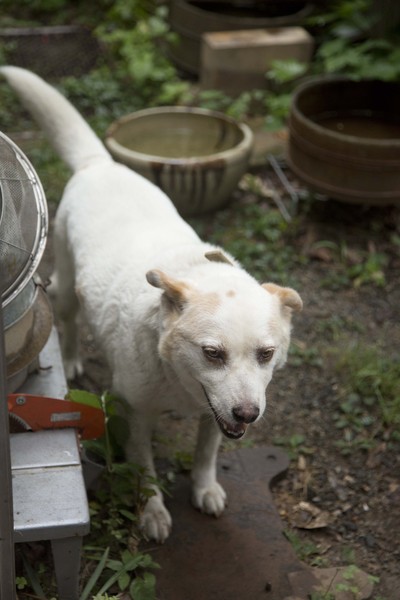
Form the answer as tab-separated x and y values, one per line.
195	156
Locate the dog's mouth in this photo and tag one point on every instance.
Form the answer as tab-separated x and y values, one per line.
231	430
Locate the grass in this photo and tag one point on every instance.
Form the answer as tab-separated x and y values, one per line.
257	235
369	396
305	549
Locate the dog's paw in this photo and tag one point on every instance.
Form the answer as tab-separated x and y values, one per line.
73	367
155	520
210	499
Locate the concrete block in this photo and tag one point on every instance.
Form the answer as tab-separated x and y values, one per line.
235	61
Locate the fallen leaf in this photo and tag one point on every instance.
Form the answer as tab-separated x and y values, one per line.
321	253
341	582
308	516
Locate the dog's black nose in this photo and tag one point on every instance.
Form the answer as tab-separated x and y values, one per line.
245	414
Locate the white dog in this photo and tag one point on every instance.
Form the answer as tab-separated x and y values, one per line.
181	324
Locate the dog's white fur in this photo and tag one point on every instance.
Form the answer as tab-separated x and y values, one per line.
181	324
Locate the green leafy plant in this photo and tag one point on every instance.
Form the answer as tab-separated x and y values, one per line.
322	595
110	448
371	270
343	48
21	583
332	328
115	507
345	18
113	561
256	234
369	392
294	445
36	13
137	34
305	549
300	355
120	573
369	266
350	584
370	59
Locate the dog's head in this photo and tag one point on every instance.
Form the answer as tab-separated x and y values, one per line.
223	335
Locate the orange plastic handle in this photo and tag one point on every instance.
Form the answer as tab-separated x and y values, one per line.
40	412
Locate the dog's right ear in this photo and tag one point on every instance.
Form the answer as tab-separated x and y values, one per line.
288	297
176	292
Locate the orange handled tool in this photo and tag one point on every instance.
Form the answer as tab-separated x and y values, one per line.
39	412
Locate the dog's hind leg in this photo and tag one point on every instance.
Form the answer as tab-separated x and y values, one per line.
155	520
207	494
66	304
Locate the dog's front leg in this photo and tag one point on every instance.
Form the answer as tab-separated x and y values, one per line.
155	520
208	496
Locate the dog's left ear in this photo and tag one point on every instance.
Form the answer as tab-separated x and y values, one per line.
177	292
288	297
218	256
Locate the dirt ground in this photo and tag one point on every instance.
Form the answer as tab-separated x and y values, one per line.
351	513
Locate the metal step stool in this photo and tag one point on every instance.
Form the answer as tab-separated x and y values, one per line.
49	495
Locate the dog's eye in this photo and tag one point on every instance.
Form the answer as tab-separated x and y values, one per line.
214	354
264	355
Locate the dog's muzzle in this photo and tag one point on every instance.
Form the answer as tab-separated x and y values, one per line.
234	429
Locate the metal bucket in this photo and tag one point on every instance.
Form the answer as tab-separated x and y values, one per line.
27	326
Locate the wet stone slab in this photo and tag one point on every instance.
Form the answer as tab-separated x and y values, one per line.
242	554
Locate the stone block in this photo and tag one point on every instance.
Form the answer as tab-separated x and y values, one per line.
236	61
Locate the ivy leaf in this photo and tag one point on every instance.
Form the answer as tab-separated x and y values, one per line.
83	397
283	71
123	581
143	588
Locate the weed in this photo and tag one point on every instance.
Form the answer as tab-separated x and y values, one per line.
348	555
305	550
114	511
183	461
322	595
344	582
369	397
112	558
136	34
300	355
350	585
332	328
293	444
21	583
53	173
369	268
120	574
256	235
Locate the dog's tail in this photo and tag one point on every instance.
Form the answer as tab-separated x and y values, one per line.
69	133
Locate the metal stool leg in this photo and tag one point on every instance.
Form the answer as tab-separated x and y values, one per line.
67	562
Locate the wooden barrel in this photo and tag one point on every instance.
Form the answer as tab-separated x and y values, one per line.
191	18
344	139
